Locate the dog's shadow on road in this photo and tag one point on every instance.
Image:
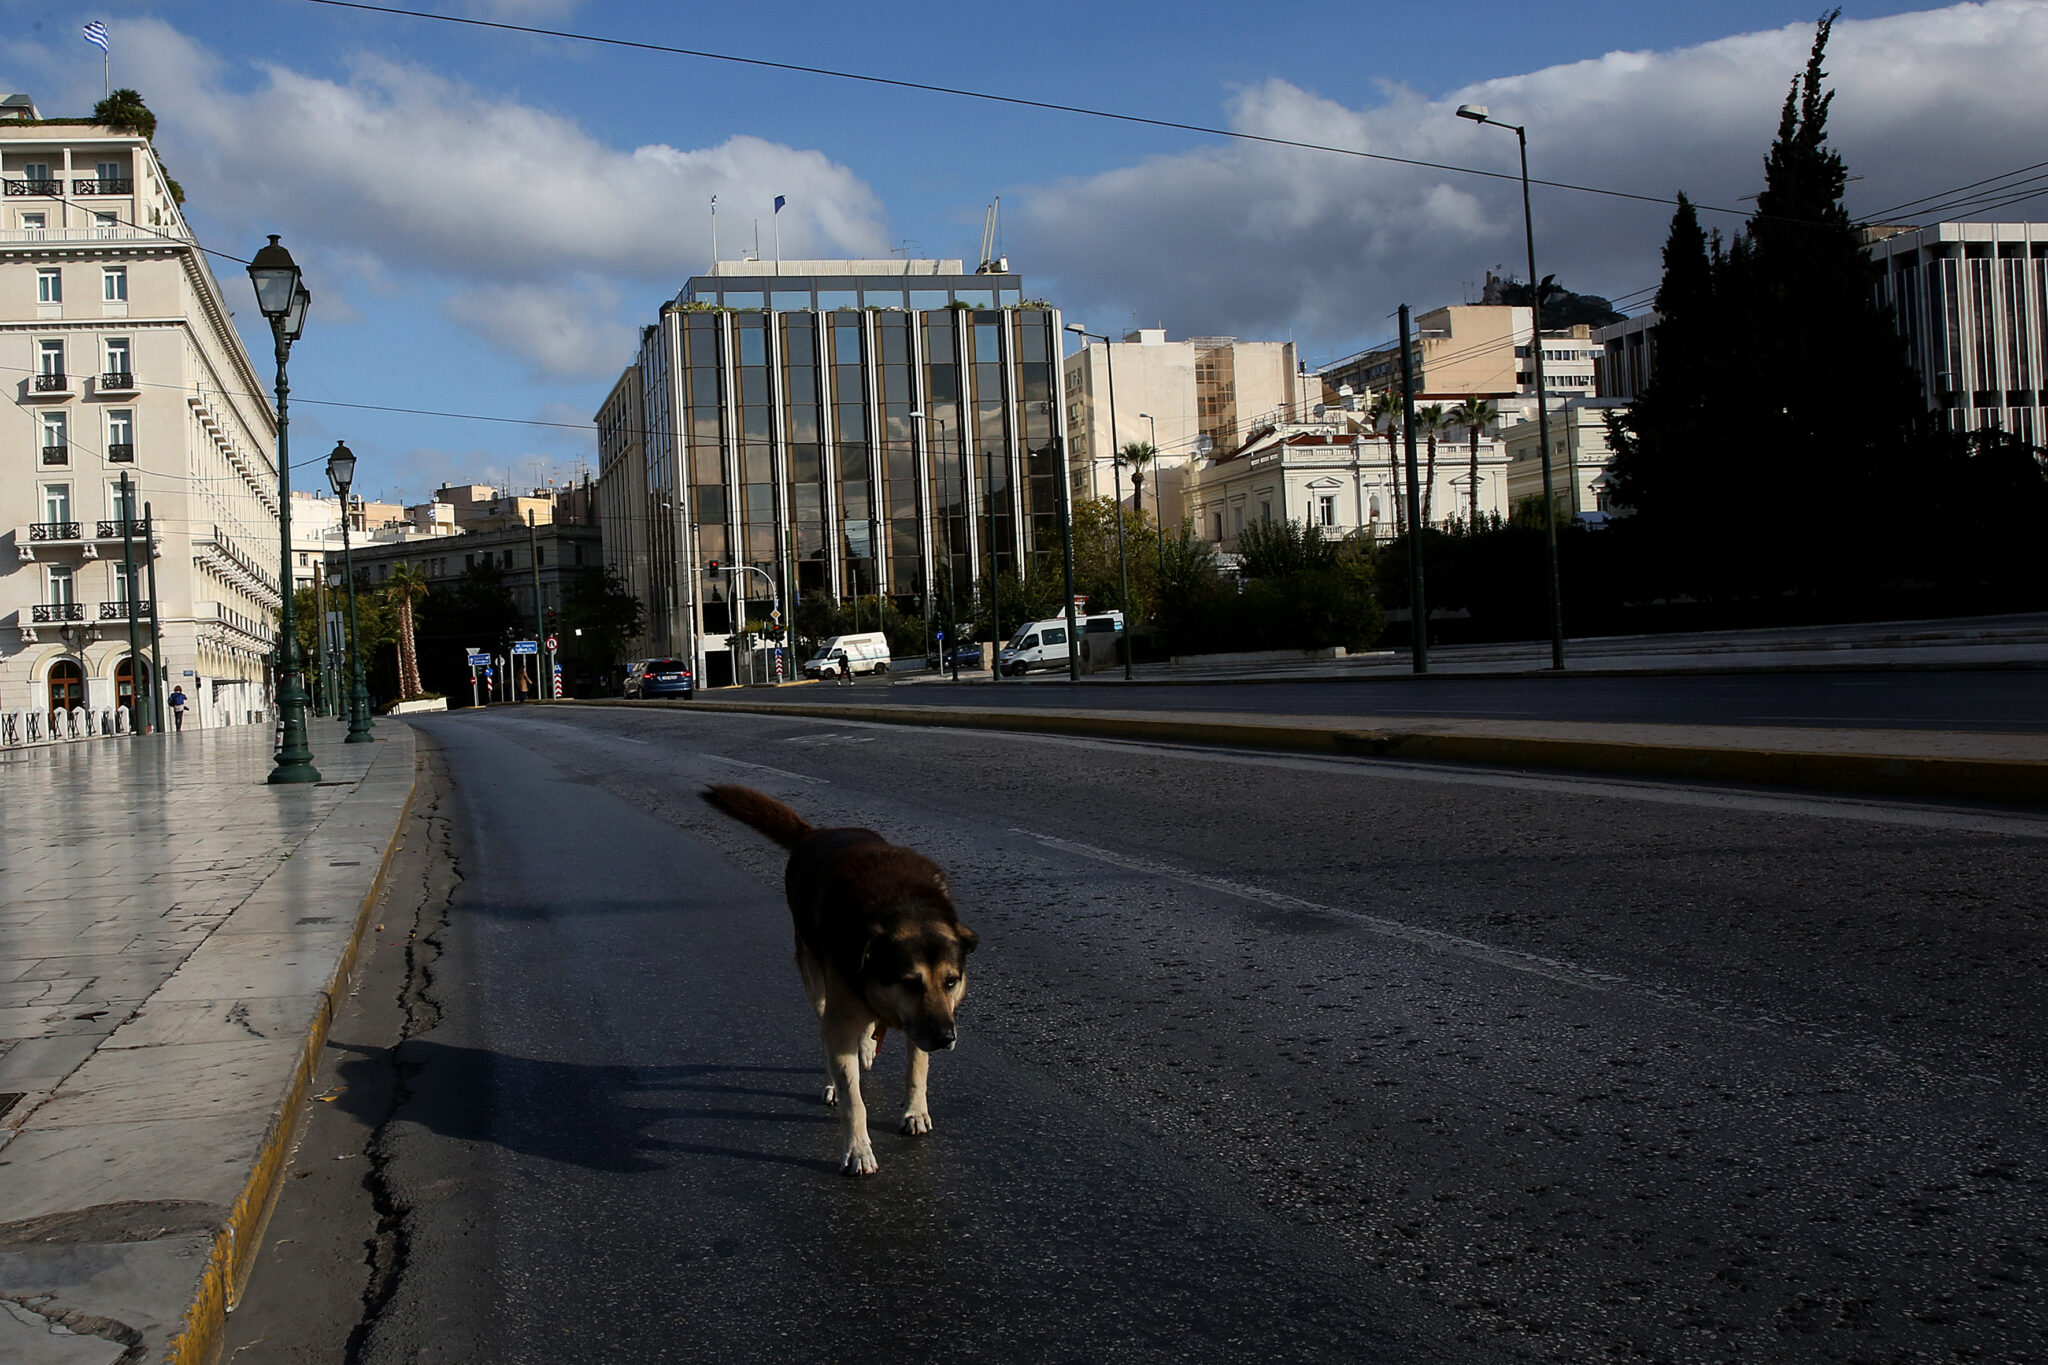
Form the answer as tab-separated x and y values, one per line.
596	1117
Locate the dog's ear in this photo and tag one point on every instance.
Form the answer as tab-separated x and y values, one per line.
872	935
969	940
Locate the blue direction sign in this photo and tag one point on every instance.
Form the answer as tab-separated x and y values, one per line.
479	661
525	647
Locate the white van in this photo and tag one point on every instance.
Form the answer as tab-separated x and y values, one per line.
1043	644
868	653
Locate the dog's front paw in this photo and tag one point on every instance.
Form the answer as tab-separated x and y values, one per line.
831	1095
860	1161
916	1122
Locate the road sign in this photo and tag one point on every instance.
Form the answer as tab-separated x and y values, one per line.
558	682
525	647
553	644
479	661
490	673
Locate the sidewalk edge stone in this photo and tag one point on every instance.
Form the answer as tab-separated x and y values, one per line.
232	1255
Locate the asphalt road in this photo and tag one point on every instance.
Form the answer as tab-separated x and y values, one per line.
1264	1059
1985	699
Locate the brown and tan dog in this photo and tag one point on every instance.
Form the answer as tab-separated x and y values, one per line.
878	945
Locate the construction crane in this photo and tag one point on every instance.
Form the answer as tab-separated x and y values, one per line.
991	264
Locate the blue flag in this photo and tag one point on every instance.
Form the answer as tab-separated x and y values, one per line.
96	34
779	202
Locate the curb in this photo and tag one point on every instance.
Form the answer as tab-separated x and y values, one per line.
233	1254
2018	781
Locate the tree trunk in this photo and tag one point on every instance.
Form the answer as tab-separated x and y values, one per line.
408	658
1475	480
1429	482
1394	474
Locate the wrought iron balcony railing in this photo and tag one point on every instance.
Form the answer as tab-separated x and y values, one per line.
23	187
121	185
117	379
120	452
112	530
57	454
49	613
52	382
54	530
118	611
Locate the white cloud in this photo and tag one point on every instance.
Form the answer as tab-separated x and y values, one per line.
1262	240
566	332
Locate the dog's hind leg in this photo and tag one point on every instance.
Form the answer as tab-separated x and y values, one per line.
917	1116
843	1039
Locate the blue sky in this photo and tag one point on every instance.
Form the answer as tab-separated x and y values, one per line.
485	217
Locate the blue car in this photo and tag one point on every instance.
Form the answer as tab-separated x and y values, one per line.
660	678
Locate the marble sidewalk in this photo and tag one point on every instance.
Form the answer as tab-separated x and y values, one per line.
173	935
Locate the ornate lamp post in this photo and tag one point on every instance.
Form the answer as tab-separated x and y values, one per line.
1117	463
282	297
341	472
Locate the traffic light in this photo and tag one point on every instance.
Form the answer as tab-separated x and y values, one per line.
551	620
711	567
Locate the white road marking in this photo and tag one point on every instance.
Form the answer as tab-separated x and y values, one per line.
763	767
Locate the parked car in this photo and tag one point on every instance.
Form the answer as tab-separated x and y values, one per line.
660	678
967	653
1043	644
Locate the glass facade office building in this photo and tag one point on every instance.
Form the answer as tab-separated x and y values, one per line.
777	434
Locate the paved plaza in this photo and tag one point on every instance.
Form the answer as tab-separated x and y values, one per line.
173	931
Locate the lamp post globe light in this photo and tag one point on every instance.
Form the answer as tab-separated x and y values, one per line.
341	473
281	296
1117	463
1479	113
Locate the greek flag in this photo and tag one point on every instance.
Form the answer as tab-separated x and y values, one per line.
96	34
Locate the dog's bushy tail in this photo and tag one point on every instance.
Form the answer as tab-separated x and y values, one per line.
760	810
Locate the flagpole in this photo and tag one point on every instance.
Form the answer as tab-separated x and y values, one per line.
714	234
777	220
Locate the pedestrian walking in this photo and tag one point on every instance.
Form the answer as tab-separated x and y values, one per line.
845	668
178	705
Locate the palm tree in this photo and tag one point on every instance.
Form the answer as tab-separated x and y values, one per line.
406	586
124	109
1385	411
1137	455
1430	422
1475	415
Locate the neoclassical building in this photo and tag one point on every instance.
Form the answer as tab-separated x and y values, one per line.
116	342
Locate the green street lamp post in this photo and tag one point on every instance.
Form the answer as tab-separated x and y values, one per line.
282	297
341	473
1117	461
1478	113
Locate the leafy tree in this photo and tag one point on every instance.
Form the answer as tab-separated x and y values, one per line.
609	618
1277	549
124	111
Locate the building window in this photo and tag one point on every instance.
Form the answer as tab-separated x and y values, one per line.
1219	526
50	363
105	220
1266	512
121	435
114	284
33	222
1237	520
63	587
49	286
56	502
1326	509
125	499
117	360
56	445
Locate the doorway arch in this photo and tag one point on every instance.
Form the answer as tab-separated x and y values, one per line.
67	685
126	674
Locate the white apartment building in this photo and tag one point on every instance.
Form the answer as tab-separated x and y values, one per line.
122	359
1334	475
1579	455
1191	399
1475	350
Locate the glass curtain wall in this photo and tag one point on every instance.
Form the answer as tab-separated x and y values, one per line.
665	560
1033	346
857	506
759	513
898	498
803	421
943	431
995	493
704	439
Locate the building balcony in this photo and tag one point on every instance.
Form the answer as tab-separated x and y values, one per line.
57	455
119	186
117	381
55	613
51	382
49	536
53	188
56	532
117	529
118	611
121	452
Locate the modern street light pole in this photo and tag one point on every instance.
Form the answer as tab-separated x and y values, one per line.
1116	463
1478	114
341	473
282	298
